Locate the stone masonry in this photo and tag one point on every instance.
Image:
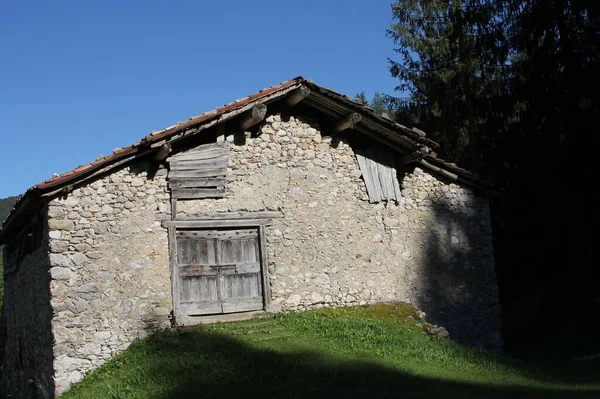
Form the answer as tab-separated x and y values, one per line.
109	269
109	261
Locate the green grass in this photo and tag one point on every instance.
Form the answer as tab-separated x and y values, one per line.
364	352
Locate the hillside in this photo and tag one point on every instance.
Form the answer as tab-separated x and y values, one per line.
6	204
374	351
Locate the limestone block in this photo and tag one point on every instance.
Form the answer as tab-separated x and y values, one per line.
61	224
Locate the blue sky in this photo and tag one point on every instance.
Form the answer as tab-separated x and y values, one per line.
80	78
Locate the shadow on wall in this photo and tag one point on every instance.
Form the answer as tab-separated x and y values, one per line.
460	287
210	365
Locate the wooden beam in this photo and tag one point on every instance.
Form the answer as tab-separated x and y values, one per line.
298	96
215	223
441	171
347	123
163	152
419	132
416	156
232	215
255	115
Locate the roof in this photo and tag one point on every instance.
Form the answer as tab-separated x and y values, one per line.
325	99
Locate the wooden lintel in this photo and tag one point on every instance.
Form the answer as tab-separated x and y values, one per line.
255	115
298	96
215	223
415	156
347	123
163	152
232	215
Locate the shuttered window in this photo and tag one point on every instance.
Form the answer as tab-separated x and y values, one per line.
200	172
378	169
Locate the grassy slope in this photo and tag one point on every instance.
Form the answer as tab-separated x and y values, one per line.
344	353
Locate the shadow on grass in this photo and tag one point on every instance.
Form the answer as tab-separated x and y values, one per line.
568	359
210	365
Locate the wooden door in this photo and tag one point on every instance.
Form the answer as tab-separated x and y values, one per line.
218	271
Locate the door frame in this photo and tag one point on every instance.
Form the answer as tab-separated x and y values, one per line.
258	220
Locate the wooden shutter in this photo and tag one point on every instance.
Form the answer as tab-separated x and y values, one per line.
200	172
219	271
379	173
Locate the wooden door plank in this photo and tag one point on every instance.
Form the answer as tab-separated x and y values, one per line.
265	286
201	308
174	274
232	305
198	182
199	193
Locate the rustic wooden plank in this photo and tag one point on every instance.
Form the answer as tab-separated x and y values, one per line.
187	174
215	223
204	151
297	96
199	182
198	308
379	173
173	208
385	172
247	267
266	287
217	234
255	115
198	289
231	305
370	182
233	215
249	250
198	193
374	173
177	312
220	161
198	270
347	123
237	286
162	152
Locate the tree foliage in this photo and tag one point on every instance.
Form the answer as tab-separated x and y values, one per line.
509	89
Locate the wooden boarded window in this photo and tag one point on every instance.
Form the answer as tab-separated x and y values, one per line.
200	172
379	173
218	271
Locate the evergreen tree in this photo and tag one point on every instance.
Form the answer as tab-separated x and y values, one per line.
508	88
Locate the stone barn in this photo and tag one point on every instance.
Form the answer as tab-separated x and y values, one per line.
293	198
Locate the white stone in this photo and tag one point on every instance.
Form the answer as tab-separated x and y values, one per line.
102	335
55	234
107	210
294	300
315	297
60	273
137	182
59	260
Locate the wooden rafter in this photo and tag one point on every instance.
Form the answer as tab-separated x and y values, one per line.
297	96
415	156
347	123
256	114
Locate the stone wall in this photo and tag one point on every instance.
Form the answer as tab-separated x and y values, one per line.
109	254
110	268
27	368
334	248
